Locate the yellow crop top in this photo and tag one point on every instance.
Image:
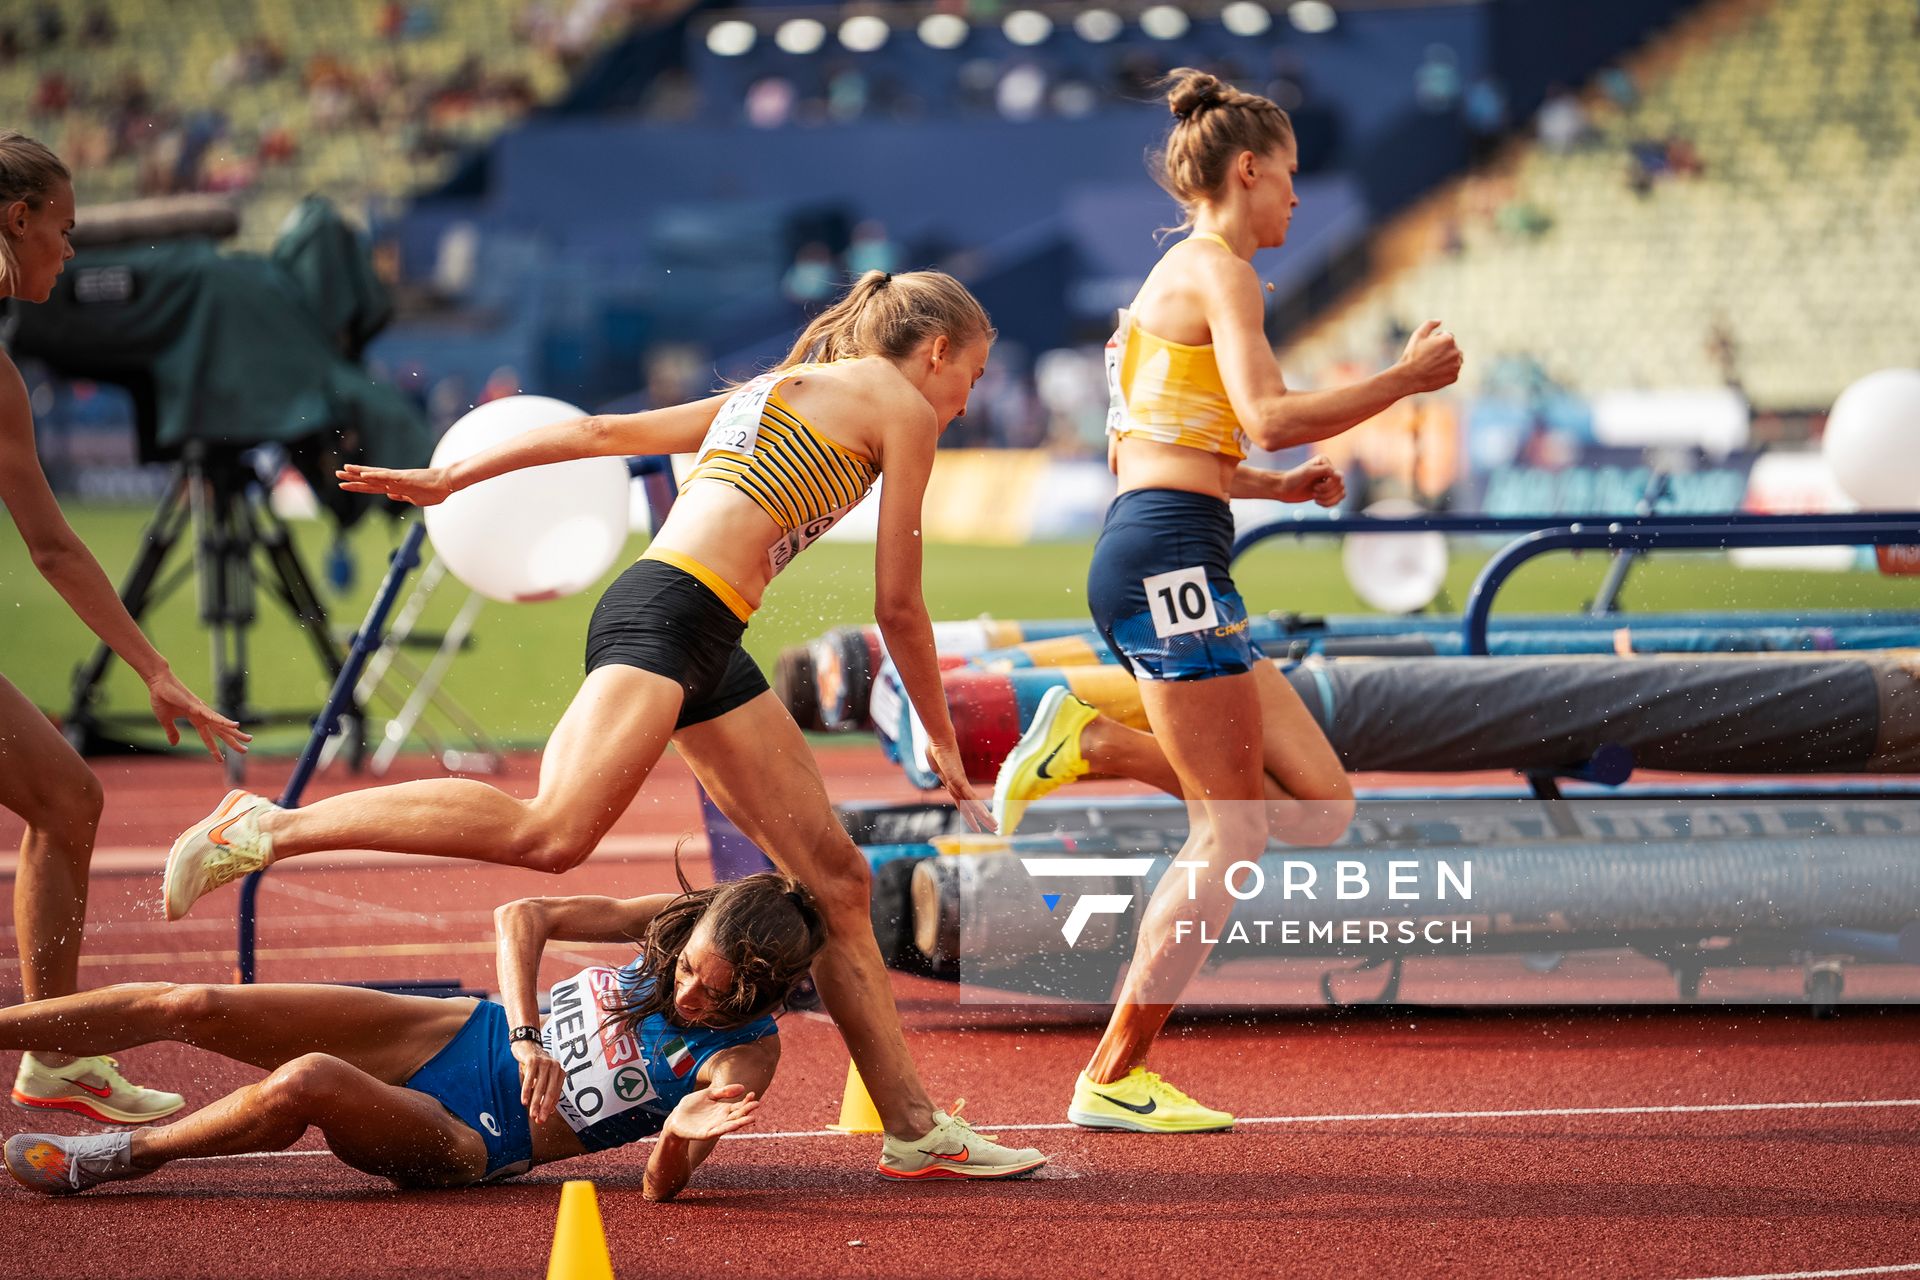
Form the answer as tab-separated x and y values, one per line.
795	474
1168	391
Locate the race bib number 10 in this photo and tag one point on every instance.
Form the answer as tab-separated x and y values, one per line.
1180	602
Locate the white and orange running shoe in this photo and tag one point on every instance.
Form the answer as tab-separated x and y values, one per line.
217	850
951	1149
92	1087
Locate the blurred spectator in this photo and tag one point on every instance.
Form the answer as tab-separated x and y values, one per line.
1022	92
130	95
229	170
538	25
447	401
252	61
1562	123
675	373
501	383
1436	81
1074	99
812	277
770	102
277	145
1617	83
846	93
98	29
457	259
1485	110
1522	220
1647	161
1071	388
1639	178
9	44
1683	159
53	95
1723	352
85	143
975	83
871	250
49	25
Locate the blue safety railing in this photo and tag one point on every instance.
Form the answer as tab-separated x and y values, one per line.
1639	534
1676	533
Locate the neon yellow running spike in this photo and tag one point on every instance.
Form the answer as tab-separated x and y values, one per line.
1141	1102
1046	758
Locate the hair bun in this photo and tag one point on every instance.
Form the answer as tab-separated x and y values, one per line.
1193	91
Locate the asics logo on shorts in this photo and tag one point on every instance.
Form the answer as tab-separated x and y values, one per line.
488	1123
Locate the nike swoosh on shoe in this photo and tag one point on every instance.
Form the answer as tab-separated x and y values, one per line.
1153	1104
1042	769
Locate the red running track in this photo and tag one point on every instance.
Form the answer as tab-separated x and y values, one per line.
1718	1141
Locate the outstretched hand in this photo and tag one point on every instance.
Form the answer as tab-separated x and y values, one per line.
1432	357
947	766
713	1112
174	701
1315	480
421	486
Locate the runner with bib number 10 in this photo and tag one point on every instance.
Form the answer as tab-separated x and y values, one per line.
1192	381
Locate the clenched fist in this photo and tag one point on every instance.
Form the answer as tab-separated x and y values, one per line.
1432	358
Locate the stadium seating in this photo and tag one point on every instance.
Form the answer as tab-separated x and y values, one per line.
1795	245
407	138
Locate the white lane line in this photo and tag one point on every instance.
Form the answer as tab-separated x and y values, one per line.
1810	1275
1360	1118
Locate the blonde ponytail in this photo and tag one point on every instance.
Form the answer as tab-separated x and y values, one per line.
884	314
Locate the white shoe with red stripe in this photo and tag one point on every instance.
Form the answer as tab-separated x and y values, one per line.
951	1149
218	849
92	1087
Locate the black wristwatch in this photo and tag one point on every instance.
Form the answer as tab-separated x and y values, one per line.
518	1034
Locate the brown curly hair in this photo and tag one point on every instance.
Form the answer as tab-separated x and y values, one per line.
766	926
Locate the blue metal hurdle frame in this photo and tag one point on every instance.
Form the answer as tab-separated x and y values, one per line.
405	558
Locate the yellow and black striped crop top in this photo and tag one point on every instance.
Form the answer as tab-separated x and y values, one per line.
795	474
1168	391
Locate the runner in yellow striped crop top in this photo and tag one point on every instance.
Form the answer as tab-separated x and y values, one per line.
796	475
1168	391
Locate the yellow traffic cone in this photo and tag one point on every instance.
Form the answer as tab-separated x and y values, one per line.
579	1241
857	1112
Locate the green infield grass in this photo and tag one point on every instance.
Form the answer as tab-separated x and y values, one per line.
524	662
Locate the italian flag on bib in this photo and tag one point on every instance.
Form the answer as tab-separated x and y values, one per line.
679	1057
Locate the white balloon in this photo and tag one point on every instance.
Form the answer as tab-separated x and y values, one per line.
1872	443
1395	572
536	534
